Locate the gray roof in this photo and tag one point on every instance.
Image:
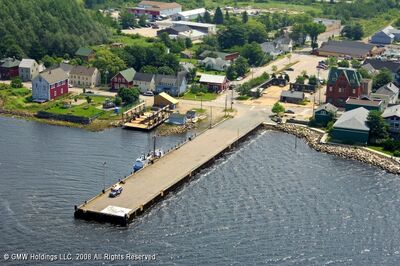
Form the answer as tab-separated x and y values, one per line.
355	119
147	77
293	94
392	111
83	71
66	67
355	101
9	62
27	63
378	64
327	107
54	75
388	89
177	80
351	48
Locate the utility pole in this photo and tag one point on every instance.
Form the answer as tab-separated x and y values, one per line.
210	116
201	102
319	89
226	103
104	176
154	145
231	98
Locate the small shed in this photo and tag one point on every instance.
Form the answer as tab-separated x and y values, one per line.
325	113
354	103
163	99
292	96
177	119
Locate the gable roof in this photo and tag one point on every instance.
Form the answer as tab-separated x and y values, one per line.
392	111
355	101
355	119
176	81
388	89
206	53
27	63
128	74
207	78
66	67
197	11
327	107
353	76
216	61
84	51
378	64
167	97
293	94
54	75
146	77
83	71
9	62
352	48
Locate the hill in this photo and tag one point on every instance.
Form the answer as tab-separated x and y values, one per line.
40	27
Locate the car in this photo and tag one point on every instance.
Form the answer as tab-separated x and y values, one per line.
148	93
70	86
239	78
155	26
289	69
115	191
289	112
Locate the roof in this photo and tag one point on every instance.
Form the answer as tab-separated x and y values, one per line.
83	71
207	78
66	67
84	51
355	119
177	80
378	64
54	75
9	62
388	89
177	119
355	101
293	94
128	74
192	12
327	107
147	77
392	111
180	28
159	5
270	48
167	97
352	48
216	61
27	63
194	24
353	76
218	54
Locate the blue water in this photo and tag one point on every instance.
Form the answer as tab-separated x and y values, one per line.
264	203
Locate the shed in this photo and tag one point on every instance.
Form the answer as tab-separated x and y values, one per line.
177	119
325	113
353	103
292	96
163	99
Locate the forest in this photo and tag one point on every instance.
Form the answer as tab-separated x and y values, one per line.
40	27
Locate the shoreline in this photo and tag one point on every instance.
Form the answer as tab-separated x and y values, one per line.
313	139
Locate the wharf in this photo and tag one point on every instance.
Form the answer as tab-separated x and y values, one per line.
144	188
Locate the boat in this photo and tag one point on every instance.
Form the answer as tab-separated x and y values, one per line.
141	162
158	153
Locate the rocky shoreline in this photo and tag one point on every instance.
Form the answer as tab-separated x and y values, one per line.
355	153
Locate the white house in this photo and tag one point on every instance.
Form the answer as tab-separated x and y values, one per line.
49	85
390	91
144	81
392	117
28	69
215	63
81	76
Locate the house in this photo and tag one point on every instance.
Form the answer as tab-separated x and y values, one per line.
190	14
173	85
351	127
191	115
330	24
186	66
9	68
350	49
354	103
343	83
215	54
28	69
325	113
163	99
374	65
214	83
174	30
177	119
390	90
206	28
144	81
392	118
292	96
271	49
285	44
49	85
124	79
85	53
82	76
386	36
156	9
66	67
215	63
182	31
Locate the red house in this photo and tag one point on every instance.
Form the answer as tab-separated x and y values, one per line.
123	79
49	85
343	83
215	83
9	68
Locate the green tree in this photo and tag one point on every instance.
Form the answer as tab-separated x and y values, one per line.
88	99
207	17
253	53
107	61
165	70
117	101
300	79
142	20
344	63
278	108
16	82
313	30
231	73
227	17
233	35
245	17
364	73
149	69
312	80
378	129
127	19
384	77
241	66
218	16
128	95
188	43
355	64
353	31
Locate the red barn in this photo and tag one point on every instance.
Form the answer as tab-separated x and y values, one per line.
214	83
9	68
49	85
123	79
343	83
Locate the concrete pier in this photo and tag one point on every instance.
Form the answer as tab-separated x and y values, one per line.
151	184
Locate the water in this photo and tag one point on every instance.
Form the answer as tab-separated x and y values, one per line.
264	203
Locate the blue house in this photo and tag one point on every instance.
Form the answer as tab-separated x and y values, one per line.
386	36
173	85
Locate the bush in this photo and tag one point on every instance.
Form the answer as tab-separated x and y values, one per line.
16	83
117	101
396	153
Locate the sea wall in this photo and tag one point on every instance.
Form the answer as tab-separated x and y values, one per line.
350	152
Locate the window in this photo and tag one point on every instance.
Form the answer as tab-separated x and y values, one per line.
62	91
340	90
330	88
55	93
354	91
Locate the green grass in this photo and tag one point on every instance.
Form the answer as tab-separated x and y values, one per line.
212	72
375	24
380	149
205	97
243	98
199	110
79	110
188	60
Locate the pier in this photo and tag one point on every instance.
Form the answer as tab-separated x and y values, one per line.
151	184
138	118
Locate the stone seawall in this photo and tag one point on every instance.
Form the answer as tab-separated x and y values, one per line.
313	139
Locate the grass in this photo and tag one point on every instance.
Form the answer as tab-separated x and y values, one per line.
199	110
205	97
243	98
84	110
375	24
380	149
201	70
188	60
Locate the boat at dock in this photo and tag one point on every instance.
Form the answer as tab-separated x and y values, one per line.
144	159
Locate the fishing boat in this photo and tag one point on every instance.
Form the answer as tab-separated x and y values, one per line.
141	162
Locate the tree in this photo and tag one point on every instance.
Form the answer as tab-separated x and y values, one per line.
332	61
165	70
149	69
188	43
128	95
253	53
218	16
355	64
286	77
344	63
227	17
142	20
107	61
300	79
378	129
88	99
117	101
364	73
16	82
313	30
353	31
231	73
207	17
278	108
233	35
127	19
384	77
245	17
312	80
241	66
191	75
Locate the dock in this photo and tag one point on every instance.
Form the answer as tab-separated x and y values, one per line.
151	184
140	119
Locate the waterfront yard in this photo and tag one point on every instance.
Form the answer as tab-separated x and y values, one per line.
195	97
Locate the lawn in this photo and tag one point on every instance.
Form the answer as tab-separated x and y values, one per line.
205	97
84	110
375	24
380	149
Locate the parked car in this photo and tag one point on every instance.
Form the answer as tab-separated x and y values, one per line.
289	69
239	78
115	191
148	93
289	112
155	26
108	104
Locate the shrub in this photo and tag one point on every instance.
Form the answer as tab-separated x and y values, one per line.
396	153
16	83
